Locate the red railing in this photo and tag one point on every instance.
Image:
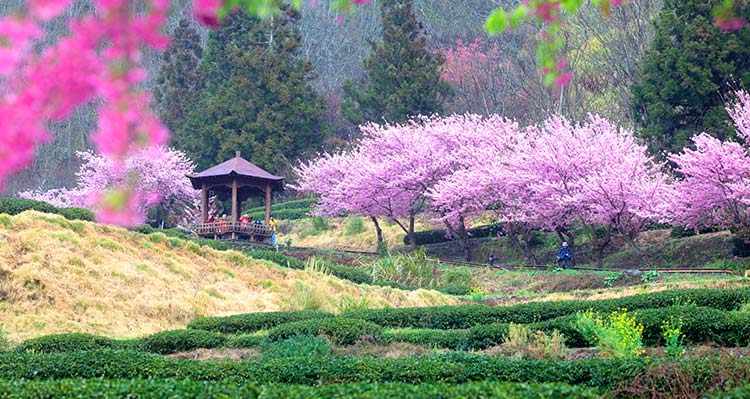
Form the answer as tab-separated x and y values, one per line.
222	228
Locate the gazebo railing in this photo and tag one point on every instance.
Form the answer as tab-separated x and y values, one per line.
227	227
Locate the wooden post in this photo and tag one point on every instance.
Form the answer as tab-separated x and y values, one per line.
204	203
268	204
234	206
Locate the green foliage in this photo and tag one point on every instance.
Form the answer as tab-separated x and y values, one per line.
244	341
523	342
456	289
340	330
65	343
348	303
14	206
651	276
450	368
171	388
257	86
413	269
674	340
302	345
619	335
403	75
682	232
252	322
467	316
354	226
181	341
350	273
278	258
179	83
284	214
686	74
76	214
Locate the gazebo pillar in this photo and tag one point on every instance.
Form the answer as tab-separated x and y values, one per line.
234	201
268	204
204	203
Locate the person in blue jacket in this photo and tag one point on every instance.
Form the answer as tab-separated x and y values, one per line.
564	256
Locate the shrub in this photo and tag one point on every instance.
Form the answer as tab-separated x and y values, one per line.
77	214
65	343
350	273
448	339
340	330
619	335
439	235
354	226
467	316
455	290
347	303
411	269
450	368
522	342
682	232
14	206
278	258
457	276
181	341
297	346
158	389
252	322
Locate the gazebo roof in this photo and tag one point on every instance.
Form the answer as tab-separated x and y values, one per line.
235	167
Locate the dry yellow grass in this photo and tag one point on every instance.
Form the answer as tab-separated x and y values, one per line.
70	276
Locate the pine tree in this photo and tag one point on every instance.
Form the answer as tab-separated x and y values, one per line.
258	98
403	76
691	64
179	84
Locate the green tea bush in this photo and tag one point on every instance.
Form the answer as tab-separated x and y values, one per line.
350	273
448	368
170	388
455	290
340	330
297	346
252	322
448	339
467	316
65	343
76	214
14	206
174	341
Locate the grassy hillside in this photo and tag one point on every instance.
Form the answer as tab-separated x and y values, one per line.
63	276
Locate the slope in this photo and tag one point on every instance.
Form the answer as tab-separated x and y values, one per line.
70	276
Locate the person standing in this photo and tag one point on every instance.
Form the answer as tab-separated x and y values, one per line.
564	256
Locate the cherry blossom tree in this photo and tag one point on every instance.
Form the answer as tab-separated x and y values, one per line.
715	186
159	172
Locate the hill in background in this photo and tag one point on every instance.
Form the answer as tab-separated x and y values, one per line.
71	276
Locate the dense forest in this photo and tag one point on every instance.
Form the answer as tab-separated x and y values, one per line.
489	75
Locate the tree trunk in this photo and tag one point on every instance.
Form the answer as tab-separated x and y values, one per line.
462	237
412	238
600	244
379	231
512	231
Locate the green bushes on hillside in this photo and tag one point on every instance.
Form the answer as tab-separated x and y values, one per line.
65	343
14	206
436	236
340	330
449	368
252	322
174	341
170	388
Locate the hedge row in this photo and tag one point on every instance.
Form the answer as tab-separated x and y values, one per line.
162	342
467	316
173	232
700	324
252	322
283	214
295	204
14	206
170	388
448	368
339	330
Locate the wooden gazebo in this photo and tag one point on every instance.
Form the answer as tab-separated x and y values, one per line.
242	179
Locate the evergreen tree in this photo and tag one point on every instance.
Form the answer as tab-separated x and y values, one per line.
179	84
258	98
403	75
688	68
